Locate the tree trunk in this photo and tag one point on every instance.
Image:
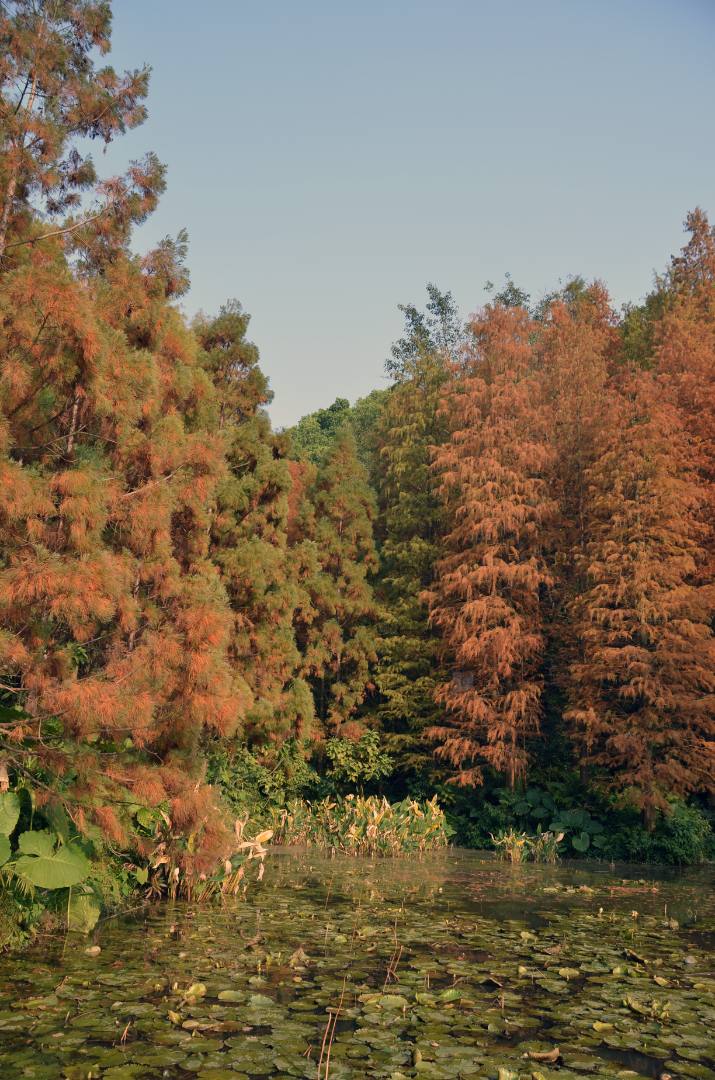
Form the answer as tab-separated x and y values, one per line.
7	208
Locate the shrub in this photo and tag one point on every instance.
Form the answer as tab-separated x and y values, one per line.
354	764
254	787
682	837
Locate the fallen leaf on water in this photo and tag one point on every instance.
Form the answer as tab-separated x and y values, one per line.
549	1056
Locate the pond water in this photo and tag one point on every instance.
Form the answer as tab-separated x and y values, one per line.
452	965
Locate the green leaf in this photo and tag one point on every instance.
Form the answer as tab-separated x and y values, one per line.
9	812
141	874
65	867
83	912
4	849
146	818
36	842
581	842
393	1001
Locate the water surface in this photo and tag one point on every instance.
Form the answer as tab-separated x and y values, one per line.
449	966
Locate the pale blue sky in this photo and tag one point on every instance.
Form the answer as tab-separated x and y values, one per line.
329	158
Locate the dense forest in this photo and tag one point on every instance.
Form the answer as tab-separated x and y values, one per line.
491	580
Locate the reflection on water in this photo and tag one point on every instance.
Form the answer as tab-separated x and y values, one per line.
453	965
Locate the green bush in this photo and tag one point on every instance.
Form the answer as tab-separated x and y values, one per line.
682	837
255	788
354	764
46	869
594	825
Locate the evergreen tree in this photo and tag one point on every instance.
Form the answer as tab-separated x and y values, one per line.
314	434
642	692
410	524
335	550
437	329
486	600
249	536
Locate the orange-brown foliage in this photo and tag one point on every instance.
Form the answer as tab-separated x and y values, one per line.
487	597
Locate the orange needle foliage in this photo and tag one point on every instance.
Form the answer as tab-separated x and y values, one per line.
486	600
642	693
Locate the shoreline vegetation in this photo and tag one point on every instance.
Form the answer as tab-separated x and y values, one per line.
476	606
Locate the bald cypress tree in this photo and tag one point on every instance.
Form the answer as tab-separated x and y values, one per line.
53	100
685	356
486	600
643	685
115	623
576	339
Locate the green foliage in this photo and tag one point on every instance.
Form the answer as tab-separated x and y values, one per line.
594	825
358	763
410	525
363	826
313	436
335	625
41	869
9	812
47	865
436	330
256	786
83	911
682	837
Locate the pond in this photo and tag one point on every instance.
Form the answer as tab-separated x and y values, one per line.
452	965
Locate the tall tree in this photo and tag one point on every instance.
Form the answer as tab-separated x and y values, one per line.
51	98
576	340
486	600
642	696
335	548
115	623
685	351
437	329
314	434
250	539
409	527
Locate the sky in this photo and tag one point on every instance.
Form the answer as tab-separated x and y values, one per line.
330	157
